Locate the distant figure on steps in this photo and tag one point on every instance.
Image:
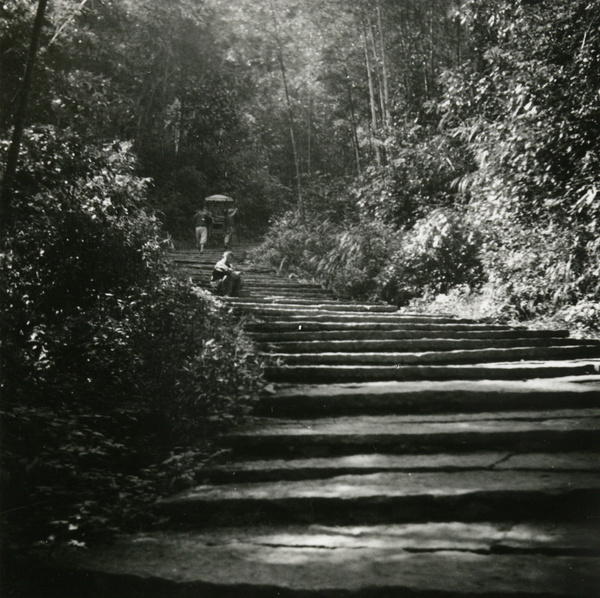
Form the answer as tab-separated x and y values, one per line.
229	228
226	280
203	220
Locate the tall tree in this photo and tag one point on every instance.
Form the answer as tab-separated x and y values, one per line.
19	122
289	107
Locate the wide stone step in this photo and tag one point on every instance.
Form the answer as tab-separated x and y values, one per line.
431	559
409	345
291	307
428	397
439	357
556	430
316	296
301	315
262	287
393	334
251	292
271	298
395	497
276	469
260	281
294	295
252	277
492	371
287	292
350	325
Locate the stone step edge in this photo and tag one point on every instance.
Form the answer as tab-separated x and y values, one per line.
391	334
393	497
399	388
421	345
149	565
489	371
294	469
441	357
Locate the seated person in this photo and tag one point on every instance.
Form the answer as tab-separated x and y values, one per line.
226	280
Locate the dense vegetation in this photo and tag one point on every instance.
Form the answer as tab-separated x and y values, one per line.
477	172
111	363
404	150
115	371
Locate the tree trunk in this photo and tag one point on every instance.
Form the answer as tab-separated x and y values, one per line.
379	88
431	49
458	36
289	110
386	86
353	124
15	144
373	127
309	138
69	19
376	69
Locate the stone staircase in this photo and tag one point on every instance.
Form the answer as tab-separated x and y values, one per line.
392	455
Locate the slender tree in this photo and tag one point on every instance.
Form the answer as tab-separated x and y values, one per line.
289	108
19	122
353	122
384	70
372	103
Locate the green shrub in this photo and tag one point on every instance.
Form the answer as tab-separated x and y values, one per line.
440	252
584	316
109	361
293	242
352	266
534	268
420	177
373	260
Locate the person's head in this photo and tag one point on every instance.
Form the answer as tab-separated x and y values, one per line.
228	256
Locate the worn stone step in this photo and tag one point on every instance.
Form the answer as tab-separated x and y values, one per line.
288	292
439	357
282	292
300	315
335	314
259	282
410	345
556	430
270	298
249	275
349	325
316	296
428	397
431	559
257	279
277	469
521	370
292	307
395	497
253	293
393	334
466	444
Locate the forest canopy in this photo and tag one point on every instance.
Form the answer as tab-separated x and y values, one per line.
416	104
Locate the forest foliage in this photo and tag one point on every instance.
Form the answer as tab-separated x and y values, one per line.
472	159
111	362
403	150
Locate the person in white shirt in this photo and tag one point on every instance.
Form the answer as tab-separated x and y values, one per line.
203	220
226	280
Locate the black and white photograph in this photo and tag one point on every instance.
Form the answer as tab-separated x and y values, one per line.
300	298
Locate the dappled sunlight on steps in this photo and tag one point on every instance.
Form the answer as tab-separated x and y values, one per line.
390	454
